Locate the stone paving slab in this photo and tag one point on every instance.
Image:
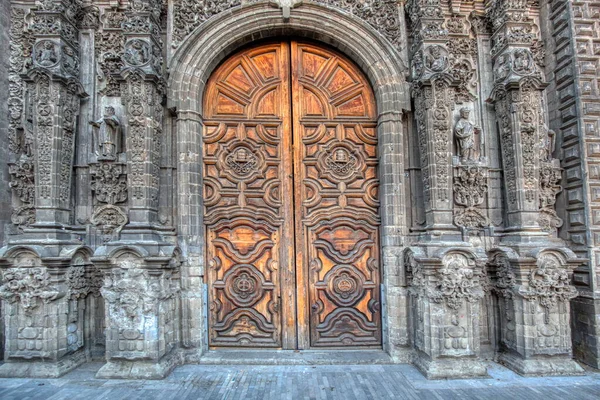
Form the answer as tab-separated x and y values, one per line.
331	382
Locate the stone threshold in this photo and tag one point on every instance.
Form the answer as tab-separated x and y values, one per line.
295	357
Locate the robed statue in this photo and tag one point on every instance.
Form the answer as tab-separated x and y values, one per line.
464	132
108	138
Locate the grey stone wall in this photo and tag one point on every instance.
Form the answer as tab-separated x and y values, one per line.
5	195
573	55
5	200
117	145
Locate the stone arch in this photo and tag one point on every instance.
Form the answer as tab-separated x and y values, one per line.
213	41
208	45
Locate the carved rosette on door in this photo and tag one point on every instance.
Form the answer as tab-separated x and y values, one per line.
291	201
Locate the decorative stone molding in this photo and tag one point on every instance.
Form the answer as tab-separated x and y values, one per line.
382	15
28	286
109	182
141	314
446	291
108	46
88	17
534	294
37	290
470	190
22	183
110	220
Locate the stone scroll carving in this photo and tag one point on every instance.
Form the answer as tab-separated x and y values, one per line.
109	184
470	190
139	306
30	286
549	284
382	15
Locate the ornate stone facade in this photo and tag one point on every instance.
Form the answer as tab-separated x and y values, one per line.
488	181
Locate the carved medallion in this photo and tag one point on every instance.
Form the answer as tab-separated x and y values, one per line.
137	52
436	58
339	162
344	285
243	285
109	219
241	161
46	53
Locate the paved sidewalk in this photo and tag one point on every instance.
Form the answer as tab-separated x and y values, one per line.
301	382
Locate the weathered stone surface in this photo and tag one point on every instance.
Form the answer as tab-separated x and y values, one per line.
488	177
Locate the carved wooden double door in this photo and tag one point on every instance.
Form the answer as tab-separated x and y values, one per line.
291	201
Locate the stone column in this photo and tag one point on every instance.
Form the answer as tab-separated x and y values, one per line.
142	97
445	293
142	93
140	260
534	311
445	323
540	263
44	304
54	91
20	133
142	315
433	101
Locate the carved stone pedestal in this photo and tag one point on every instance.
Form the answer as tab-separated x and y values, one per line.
445	299
44	305
142	314
534	312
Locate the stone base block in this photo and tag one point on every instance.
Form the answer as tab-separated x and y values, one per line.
42	369
140	369
540	366
451	368
403	355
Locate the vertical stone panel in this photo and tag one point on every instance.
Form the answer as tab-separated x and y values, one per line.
573	62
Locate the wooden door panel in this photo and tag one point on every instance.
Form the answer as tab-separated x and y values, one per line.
291	201
246	171
337	222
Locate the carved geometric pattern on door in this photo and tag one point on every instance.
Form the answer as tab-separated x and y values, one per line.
291	201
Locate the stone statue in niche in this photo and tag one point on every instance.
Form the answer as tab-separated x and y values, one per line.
547	144
502	67
108	135
70	62
464	132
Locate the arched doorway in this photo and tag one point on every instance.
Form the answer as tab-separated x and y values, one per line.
291	200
